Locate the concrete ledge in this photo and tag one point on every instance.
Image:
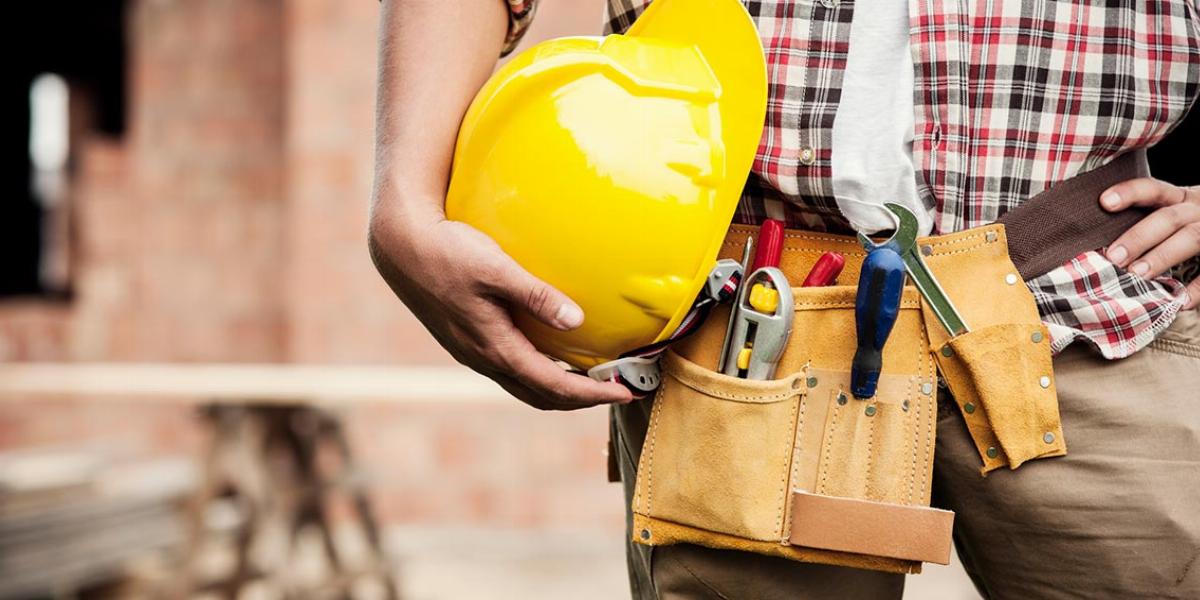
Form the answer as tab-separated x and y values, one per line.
242	383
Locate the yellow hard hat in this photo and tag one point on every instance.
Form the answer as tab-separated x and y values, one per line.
610	168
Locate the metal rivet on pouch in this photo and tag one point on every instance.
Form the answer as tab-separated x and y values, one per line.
645	534
870	411
1036	337
812	382
991	236
1044	381
991	452
1010	279
969	408
904	405
947	351
927	388
926	250
841	399
1049	437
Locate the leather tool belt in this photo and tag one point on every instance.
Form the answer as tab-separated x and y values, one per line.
797	467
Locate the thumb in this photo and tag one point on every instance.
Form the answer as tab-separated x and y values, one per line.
1143	191
536	297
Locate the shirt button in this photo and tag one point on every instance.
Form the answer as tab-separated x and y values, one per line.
808	156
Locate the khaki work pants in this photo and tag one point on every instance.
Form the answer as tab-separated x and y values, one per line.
1118	517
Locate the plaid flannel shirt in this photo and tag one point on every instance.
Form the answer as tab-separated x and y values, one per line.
1011	96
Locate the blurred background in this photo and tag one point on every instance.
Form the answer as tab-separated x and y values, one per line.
205	388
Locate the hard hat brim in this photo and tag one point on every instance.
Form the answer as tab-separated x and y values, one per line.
725	34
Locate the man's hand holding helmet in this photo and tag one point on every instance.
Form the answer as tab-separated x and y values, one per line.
456	280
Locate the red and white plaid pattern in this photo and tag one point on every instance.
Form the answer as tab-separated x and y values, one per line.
1011	96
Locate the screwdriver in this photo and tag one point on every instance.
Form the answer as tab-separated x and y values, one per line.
768	252
825	271
876	307
770	245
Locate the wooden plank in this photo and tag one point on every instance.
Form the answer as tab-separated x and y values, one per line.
247	383
45	570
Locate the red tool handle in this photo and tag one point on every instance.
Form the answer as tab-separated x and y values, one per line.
770	245
826	271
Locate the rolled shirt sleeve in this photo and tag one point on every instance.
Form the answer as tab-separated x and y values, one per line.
520	15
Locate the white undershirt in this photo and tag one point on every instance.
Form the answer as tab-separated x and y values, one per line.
873	130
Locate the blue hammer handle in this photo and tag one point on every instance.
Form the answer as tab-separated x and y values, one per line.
876	307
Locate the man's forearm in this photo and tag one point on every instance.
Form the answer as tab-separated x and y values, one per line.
433	57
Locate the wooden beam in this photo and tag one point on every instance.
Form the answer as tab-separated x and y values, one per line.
243	383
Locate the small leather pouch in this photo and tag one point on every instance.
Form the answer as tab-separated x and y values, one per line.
1000	372
798	467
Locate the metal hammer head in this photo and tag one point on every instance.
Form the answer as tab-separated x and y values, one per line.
905	236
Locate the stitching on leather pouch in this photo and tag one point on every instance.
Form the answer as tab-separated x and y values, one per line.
870	452
961	251
727	396
818	238
928	449
798	443
914	304
815	238
653	436
915	419
932	399
783	481
793	236
931	373
999	231
788	248
914	403
695	383
926	365
773	396
829	435
962	240
818	251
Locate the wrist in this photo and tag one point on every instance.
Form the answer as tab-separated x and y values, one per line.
397	220
404	205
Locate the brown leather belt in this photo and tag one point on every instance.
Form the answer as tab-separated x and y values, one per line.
1066	220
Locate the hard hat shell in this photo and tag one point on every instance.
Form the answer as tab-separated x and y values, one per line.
610	167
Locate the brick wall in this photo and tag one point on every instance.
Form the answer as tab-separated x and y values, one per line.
205	162
228	225
338	309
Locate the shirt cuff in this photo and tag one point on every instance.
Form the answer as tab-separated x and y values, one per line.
520	15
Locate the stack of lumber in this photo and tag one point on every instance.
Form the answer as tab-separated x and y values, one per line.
72	519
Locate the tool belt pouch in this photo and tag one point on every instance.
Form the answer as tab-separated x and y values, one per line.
797	467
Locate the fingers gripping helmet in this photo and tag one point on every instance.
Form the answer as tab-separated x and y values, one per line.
610	168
